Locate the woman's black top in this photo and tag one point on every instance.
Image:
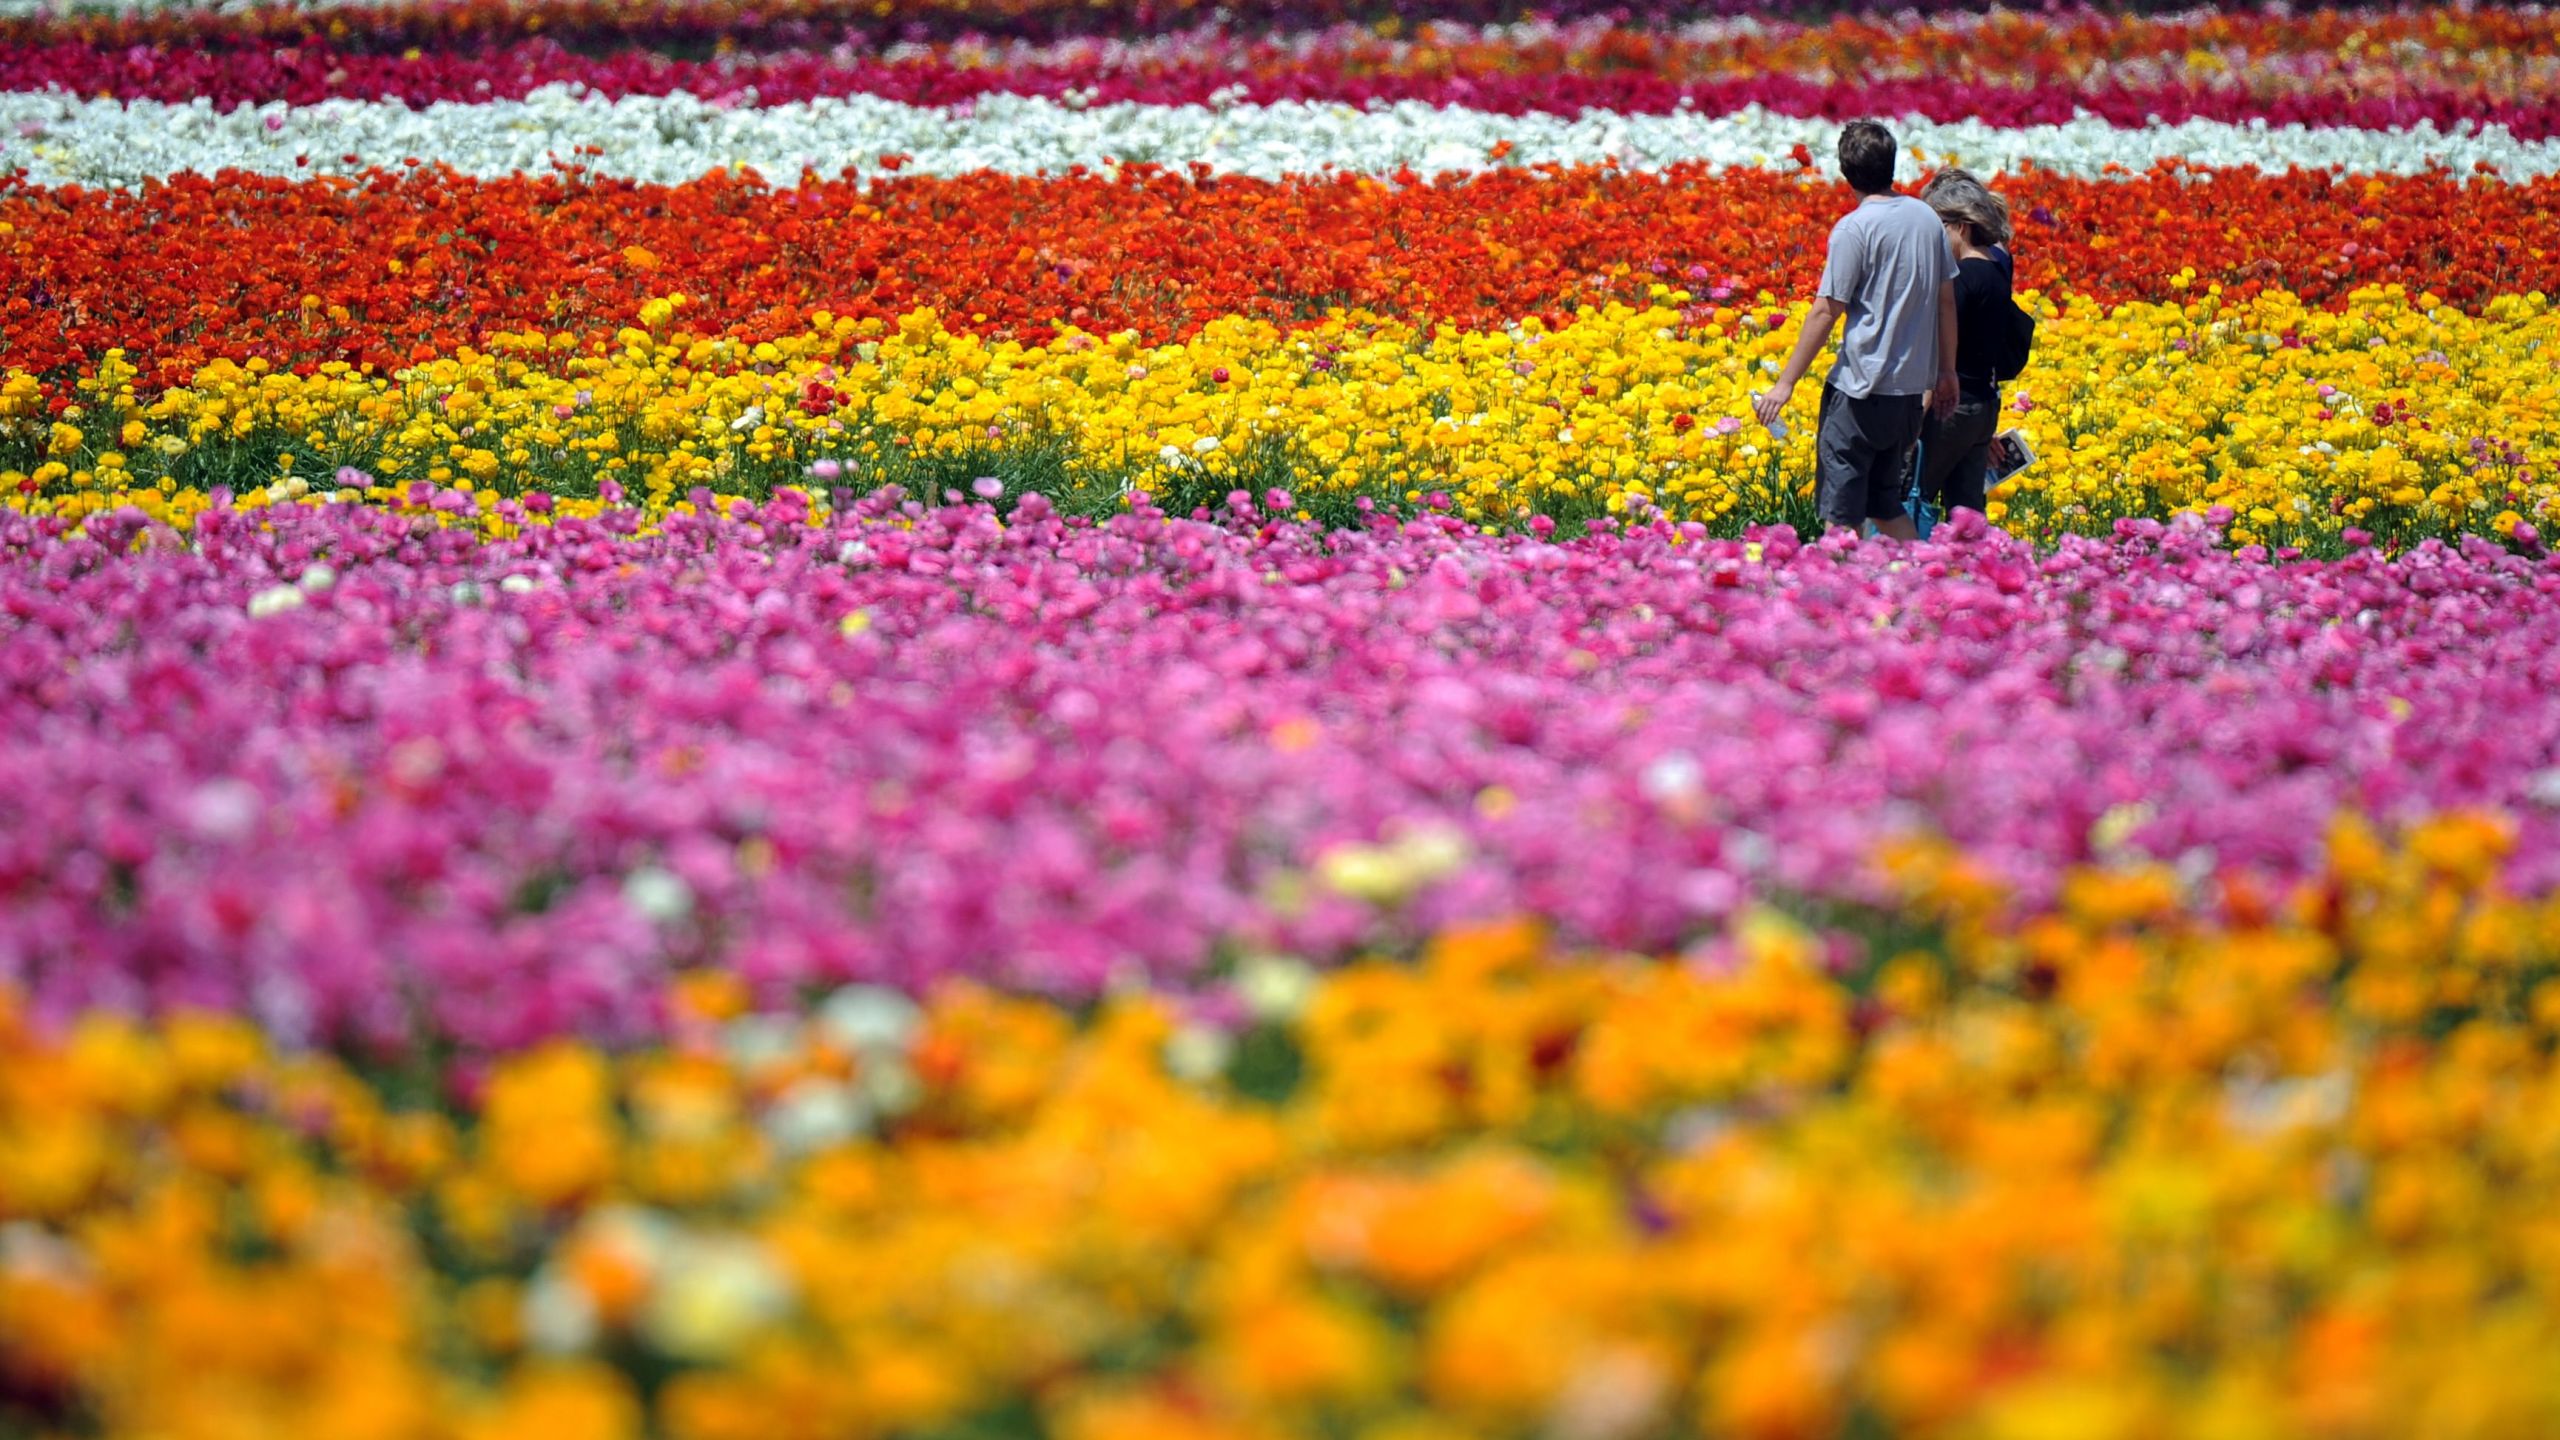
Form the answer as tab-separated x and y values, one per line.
1982	300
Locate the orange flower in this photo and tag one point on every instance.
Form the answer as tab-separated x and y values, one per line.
548	1130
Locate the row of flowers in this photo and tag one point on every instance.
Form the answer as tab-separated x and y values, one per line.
2018	70
2496	50
368	778
769	24
53	138
2396	415
2116	1174
409	265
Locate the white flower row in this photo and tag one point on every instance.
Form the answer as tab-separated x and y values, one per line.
60	139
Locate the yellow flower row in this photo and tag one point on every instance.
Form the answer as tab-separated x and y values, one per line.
2114	1173
2395	414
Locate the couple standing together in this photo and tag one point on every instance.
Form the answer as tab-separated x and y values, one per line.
1924	285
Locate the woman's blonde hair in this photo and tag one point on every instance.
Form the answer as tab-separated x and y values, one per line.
1960	198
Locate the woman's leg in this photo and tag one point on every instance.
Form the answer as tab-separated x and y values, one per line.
1959	478
1942	451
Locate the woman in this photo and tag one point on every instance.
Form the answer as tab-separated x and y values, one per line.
1955	448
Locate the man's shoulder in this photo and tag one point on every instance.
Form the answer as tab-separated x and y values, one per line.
1886	212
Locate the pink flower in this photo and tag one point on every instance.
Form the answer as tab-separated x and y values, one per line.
1054	751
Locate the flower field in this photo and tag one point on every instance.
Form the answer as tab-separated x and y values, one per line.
956	719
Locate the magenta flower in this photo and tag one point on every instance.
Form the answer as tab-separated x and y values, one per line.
488	791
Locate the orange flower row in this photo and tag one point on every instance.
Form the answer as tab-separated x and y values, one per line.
403	266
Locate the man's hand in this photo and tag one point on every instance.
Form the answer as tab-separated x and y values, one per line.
1942	398
1771	403
1824	313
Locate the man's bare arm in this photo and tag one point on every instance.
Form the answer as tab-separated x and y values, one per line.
1818	322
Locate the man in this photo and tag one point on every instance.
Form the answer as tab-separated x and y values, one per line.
1892	273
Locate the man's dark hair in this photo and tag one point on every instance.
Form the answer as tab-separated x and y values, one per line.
1866	157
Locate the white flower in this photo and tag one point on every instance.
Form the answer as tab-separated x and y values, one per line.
869	1019
680	137
2116	827
275	600
1384	874
1672	778
758	1043
318	578
517	585
890	1084
224	809
2544	788
1198	1053
1694	1129
29	1251
1275	987
1618	1395
816	1113
2257	1108
2195	867
1749	849
713	1294
559	1316
661	896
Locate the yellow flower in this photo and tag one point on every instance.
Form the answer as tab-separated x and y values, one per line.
2122	422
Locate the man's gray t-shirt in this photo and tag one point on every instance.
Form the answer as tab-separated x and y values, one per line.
1887	259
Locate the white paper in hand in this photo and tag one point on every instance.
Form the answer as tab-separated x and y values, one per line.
2010	453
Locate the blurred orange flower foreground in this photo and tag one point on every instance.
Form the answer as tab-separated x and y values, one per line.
2112	1172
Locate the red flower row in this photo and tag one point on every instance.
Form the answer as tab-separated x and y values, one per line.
1554	80
407	264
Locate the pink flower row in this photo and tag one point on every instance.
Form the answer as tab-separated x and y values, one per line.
305	75
373	780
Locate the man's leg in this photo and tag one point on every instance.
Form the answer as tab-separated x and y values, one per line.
1891	424
1841	459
